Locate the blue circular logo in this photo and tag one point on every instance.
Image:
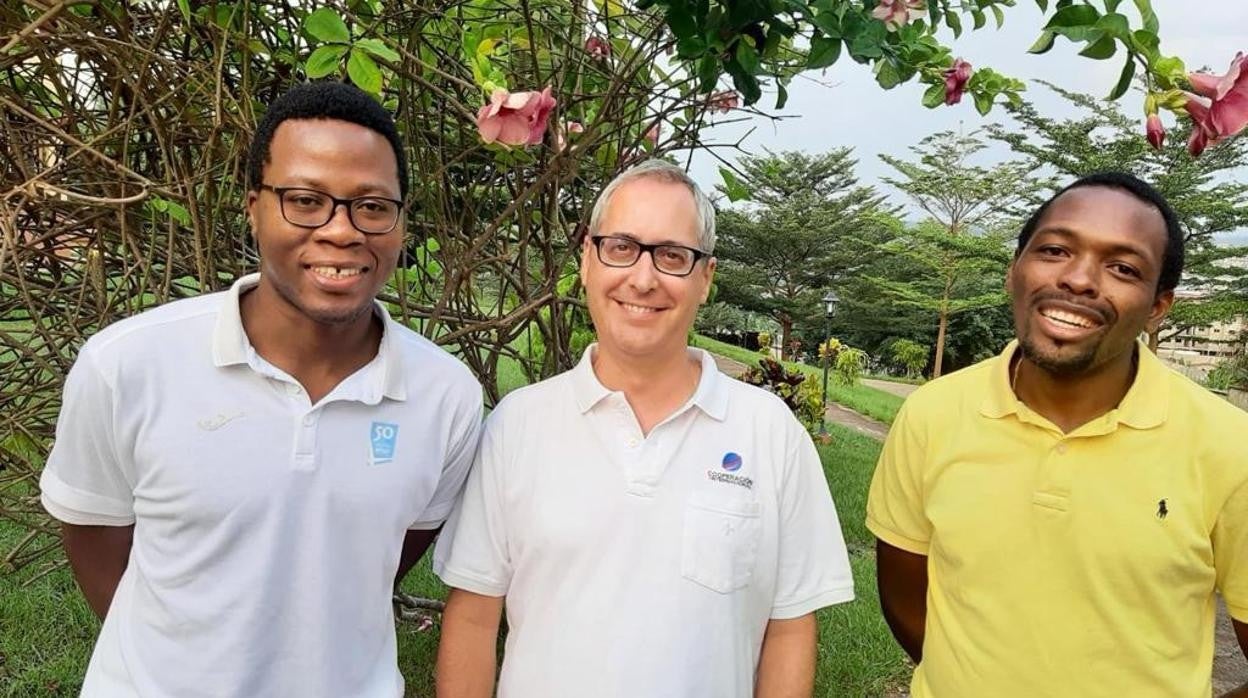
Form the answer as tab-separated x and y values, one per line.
732	462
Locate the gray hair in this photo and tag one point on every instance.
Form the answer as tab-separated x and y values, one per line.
664	171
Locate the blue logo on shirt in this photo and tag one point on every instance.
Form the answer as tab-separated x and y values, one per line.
382	436
732	462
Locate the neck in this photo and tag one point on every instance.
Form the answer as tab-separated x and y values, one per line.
655	386
318	355
1072	401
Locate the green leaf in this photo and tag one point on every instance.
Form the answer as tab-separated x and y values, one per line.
326	25
378	48
983	103
179	213
954	22
1044	5
747	85
1101	49
1145	42
747	57
324	60
782	95
828	23
999	15
1043	44
1171	67
1124	80
980	19
184	6
1115	25
432	245
934	96
1074	16
1151	25
733	187
364	72
824	51
708	73
886	74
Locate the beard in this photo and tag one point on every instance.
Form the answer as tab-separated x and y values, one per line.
1071	362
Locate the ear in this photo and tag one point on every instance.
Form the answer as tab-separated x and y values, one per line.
587	248
1009	278
253	198
709	277
1161	306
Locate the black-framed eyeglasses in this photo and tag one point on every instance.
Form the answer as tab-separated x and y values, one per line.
309	208
673	260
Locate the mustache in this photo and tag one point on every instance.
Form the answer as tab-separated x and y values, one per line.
1105	314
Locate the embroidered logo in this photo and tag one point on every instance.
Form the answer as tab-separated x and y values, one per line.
730	463
382	438
220	420
1162	511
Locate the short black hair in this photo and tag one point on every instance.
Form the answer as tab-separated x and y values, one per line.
326	99
1171	260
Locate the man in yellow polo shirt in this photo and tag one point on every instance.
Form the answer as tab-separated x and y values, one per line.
1055	521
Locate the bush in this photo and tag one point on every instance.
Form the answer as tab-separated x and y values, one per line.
804	398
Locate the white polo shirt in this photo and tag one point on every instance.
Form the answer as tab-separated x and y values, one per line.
267	529
643	566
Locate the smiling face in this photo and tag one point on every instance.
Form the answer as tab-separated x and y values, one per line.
1085	286
329	274
639	311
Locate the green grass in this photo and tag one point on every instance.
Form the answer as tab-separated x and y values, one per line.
862	399
46	629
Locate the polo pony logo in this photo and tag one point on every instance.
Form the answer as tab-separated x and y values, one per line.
1162	511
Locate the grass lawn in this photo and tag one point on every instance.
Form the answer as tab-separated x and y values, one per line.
862	399
46	629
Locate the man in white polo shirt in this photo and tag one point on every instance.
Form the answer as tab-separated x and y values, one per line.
655	527
242	476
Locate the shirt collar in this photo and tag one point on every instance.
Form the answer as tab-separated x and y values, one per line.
1146	404
230	345
710	395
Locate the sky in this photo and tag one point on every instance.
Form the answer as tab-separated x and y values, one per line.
845	107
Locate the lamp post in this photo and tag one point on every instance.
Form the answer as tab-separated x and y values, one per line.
829	309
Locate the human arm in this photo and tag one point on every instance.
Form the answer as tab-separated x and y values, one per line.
415	543
466	653
98	556
902	580
786	667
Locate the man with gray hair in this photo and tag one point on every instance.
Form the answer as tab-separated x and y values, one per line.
655	527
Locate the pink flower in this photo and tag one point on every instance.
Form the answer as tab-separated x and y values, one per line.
724	101
895	13
1203	133
515	118
1156	131
597	47
652	134
955	81
561	133
1228	98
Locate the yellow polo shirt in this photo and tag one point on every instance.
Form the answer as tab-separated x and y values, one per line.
1079	564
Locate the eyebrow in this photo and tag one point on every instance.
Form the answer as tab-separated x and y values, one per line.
365	189
634	238
1116	248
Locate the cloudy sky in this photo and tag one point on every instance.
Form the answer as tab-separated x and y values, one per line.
845	107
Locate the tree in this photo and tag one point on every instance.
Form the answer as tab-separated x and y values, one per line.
809	224
968	203
1205	192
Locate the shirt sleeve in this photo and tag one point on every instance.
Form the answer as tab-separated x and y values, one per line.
814	569
472	553
455	470
84	482
895	508
1230	553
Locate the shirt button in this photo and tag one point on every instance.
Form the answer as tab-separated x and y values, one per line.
293	389
308	420
632	442
1060	448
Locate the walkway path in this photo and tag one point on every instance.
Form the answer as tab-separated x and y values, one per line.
1230	670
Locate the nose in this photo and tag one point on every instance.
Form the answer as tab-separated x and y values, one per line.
645	277
1081	277
338	229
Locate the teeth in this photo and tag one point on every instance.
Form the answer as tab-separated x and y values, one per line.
637	308
1068	318
336	272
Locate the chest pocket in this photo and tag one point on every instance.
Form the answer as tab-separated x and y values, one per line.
720	543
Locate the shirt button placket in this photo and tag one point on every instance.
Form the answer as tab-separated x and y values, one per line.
305	442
